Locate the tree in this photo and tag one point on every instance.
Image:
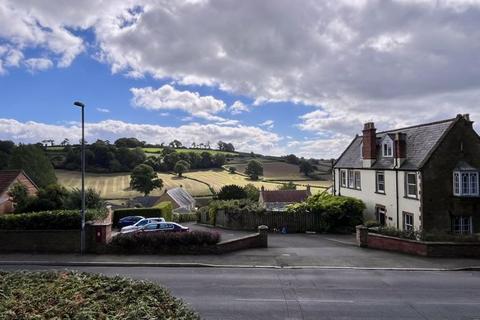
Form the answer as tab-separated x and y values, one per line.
232	170
254	169
128	143
224	146
218	160
92	199
292	159
32	159
144	179
65	142
288	186
6	148
232	191
252	192
175	144
181	167
19	194
306	167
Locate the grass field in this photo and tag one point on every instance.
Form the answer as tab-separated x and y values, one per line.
218	178
183	150
117	185
276	170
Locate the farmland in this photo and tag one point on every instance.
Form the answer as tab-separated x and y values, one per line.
184	150
117	185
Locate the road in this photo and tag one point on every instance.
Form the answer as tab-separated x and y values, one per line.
243	293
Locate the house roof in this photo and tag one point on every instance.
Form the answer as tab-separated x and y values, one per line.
146	202
181	197
285	195
7	177
421	141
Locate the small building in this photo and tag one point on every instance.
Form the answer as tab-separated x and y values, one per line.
278	200
181	200
8	178
424	177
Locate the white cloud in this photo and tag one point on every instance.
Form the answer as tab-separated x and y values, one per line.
246	138
238	107
168	98
269	124
103	110
38	64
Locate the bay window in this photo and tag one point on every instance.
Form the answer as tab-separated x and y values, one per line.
465	183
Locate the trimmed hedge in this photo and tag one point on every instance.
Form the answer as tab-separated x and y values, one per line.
163	209
185	217
162	242
48	220
73	295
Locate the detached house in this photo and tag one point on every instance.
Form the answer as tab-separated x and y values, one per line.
8	178
421	177
279	200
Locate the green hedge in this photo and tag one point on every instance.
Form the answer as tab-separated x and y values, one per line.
163	209
73	295
48	220
185	217
163	242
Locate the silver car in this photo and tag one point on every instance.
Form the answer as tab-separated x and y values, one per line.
140	224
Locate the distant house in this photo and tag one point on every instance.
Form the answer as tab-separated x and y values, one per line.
424	177
181	200
8	178
278	200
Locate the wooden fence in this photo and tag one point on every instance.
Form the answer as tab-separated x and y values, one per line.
292	222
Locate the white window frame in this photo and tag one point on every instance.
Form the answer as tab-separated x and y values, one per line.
462	224
466	183
387	147
358	179
343	178
351	179
377	182
408	184
408	225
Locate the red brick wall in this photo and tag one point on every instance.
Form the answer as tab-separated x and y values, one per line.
395	244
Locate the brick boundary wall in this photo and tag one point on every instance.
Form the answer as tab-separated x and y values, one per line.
259	240
421	248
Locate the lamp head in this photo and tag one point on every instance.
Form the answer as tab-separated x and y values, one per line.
79	104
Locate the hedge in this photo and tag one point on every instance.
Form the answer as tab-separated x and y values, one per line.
73	295
163	209
162	242
185	217
48	220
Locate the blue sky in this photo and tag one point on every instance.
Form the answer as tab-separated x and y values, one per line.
273	77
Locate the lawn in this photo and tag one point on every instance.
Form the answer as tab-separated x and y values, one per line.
117	185
71	295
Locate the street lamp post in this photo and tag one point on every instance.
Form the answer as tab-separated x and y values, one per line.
82	232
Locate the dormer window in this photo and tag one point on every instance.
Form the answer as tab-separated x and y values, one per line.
387	147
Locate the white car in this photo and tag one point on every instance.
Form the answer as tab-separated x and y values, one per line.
140	224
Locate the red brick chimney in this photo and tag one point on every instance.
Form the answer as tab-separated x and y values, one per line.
400	148
369	144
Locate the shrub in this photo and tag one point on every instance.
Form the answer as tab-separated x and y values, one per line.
371	223
232	191
72	295
162	242
185	217
336	213
163	209
48	220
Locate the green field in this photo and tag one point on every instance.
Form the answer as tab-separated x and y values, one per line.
184	150
117	185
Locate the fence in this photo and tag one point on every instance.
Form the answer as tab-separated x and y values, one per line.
292	222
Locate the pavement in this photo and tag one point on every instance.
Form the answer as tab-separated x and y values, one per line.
231	294
309	251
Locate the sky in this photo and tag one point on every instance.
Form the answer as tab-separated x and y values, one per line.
272	76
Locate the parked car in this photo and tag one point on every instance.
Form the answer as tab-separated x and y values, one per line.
129	220
163	227
141	223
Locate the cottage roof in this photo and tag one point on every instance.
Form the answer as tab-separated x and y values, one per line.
290	196
421	141
181	197
7	177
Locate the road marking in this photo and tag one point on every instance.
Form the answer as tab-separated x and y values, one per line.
296	300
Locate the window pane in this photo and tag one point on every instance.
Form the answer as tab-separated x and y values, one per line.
473	183
411	178
465	184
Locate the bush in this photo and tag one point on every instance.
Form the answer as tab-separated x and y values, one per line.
231	191
48	220
185	217
371	223
337	213
162	242
163	209
72	295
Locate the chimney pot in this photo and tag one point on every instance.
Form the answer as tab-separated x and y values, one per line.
369	144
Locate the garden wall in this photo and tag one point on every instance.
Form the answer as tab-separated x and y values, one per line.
421	248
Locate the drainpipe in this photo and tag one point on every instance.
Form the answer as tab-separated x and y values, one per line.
333	175
396	192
